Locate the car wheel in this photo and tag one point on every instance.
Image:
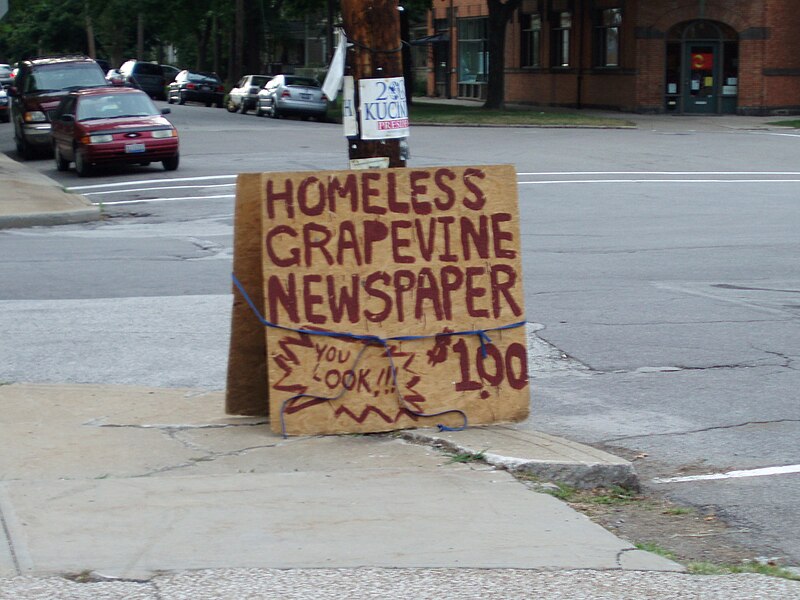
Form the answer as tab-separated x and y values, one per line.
61	163
273	112
243	107
170	164
231	106
170	99
181	99
82	166
259	112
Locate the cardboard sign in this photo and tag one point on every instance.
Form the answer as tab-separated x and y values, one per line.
382	108
383	289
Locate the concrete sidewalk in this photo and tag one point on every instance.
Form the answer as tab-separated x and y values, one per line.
129	482
28	198
137	493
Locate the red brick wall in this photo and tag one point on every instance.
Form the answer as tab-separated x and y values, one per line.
769	55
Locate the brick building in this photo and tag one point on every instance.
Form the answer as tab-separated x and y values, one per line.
683	56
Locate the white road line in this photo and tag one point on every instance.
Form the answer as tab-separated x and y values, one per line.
146	200
149	181
152	189
732	474
596	181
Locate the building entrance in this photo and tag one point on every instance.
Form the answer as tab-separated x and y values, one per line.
702	68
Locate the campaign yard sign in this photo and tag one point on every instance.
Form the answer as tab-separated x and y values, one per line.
389	298
383	110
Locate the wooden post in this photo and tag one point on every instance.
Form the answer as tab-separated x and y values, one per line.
373	27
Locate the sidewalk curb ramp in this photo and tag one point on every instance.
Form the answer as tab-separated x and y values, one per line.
546	457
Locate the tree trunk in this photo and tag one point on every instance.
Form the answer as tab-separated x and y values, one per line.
140	36
238	35
499	15
90	44
373	26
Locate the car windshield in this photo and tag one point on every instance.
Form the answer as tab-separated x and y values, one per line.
115	106
62	77
306	81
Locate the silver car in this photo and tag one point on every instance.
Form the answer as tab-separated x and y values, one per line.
244	96
292	95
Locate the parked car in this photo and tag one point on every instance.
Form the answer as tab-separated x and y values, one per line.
244	95
38	88
4	108
146	76
292	94
112	125
104	64
196	86
114	77
170	73
5	75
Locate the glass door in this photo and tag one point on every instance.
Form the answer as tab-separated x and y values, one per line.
701	90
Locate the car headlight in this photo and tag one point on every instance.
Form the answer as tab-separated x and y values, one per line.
97	139
35	116
163	133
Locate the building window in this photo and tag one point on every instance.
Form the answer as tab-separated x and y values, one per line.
562	24
531	40
607	37
473	51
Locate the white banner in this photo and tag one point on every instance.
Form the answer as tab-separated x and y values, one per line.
333	79
382	108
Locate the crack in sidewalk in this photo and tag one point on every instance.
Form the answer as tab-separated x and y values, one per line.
702	430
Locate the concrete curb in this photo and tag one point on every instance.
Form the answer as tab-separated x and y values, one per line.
557	460
50	218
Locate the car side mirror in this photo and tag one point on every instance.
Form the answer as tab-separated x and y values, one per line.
67	118
166	111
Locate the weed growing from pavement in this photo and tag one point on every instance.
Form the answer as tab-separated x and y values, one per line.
466	457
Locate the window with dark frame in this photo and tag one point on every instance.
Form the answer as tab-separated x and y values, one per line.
562	26
530	44
607	29
473	50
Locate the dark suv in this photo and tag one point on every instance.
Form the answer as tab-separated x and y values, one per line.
148	77
38	88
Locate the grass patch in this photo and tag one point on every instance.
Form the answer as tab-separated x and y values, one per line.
611	495
790	123
703	568
656	549
422	113
564	492
678	510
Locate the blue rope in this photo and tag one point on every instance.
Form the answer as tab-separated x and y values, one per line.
374	340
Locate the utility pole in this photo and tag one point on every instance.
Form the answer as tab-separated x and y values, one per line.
373	29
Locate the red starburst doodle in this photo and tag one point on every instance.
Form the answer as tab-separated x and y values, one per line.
358	380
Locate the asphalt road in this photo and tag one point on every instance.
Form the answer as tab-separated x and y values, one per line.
662	269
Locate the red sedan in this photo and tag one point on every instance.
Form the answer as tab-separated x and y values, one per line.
104	126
